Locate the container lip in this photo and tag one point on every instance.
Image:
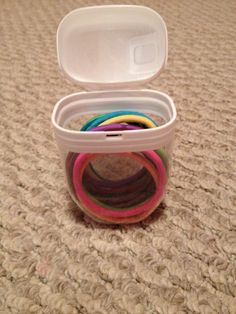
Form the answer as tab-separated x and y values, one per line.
79	135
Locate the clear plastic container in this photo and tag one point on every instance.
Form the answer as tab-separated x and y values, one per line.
115	176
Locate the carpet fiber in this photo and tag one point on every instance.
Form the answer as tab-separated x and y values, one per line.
53	259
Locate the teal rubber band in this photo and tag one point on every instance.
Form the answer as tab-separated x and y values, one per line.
91	120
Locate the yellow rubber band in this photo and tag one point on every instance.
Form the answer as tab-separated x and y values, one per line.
130	118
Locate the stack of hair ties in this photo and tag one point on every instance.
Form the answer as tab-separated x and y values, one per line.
127	200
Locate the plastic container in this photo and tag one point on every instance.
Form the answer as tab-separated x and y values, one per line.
114	175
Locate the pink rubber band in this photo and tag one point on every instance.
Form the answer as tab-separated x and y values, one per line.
158	173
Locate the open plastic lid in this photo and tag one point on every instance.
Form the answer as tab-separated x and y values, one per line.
112	46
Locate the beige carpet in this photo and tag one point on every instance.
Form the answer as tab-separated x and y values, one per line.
180	260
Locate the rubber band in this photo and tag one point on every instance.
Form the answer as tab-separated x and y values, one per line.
107	219
95	179
158	176
126	200
115	127
97	120
130	118
86	199
127	193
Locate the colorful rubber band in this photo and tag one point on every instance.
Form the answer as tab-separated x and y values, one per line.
97	120
129	119
158	174
127	200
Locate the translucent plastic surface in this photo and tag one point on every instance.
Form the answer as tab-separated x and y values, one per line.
116	156
114	45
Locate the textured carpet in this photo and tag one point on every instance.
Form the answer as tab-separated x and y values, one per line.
180	260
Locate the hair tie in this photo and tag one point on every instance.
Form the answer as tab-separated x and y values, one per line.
115	127
158	174
126	200
97	120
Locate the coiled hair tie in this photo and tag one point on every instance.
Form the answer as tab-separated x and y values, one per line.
127	200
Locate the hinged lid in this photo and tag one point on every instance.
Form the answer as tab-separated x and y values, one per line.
112	46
